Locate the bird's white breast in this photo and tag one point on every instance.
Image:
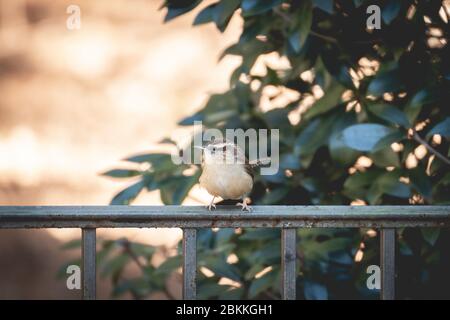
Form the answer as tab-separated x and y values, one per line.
228	181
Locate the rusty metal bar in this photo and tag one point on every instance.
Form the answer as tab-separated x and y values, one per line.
224	217
189	264
89	271
387	247
288	257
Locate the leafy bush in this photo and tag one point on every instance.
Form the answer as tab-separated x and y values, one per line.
365	118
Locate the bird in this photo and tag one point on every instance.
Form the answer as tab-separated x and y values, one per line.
226	172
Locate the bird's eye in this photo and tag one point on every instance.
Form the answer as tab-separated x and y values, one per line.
225	148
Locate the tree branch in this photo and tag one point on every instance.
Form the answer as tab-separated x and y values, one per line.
323	37
432	150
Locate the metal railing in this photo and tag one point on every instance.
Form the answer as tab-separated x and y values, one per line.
189	218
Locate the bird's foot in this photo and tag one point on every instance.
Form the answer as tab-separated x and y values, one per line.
211	206
245	206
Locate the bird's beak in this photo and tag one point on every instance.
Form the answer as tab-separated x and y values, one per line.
198	147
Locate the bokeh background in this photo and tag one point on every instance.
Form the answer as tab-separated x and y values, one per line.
75	102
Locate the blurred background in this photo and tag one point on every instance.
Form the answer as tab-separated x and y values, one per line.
363	116
74	101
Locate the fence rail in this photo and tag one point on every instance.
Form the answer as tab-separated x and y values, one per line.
189	218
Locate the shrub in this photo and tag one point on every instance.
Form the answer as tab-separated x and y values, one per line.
365	118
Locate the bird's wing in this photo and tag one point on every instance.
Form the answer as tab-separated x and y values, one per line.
249	170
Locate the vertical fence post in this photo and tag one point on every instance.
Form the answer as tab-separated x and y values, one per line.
387	246
288	257
189	263
88	250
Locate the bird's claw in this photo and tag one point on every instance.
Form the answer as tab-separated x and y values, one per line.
211	206
245	206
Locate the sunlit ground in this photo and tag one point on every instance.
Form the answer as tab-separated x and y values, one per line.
73	103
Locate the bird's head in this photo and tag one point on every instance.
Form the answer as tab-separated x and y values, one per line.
222	151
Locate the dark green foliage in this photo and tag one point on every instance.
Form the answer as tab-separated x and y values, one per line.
402	90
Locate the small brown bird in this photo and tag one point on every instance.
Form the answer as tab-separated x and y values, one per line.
226	172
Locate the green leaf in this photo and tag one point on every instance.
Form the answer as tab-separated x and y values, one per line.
176	8
144	250
301	30
131	285
388	183
385	158
219	107
115	265
167	141
226	270
189	121
224	237
289	161
274	196
269	254
128	194
224	12
421	181
390	113
364	137
396	136
209	290
361	179
107	247
325	5
254	270
388	81
253	7
72	244
259	234
313	136
405	249
420	99
339	151
315	291
169	265
261	284
174	190
337	66
206	15
219	12
232	294
430	235
330	99
445	180
121	173
442	128
412	112
391	10
150	158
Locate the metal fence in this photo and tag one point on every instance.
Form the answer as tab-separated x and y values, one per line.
189	218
